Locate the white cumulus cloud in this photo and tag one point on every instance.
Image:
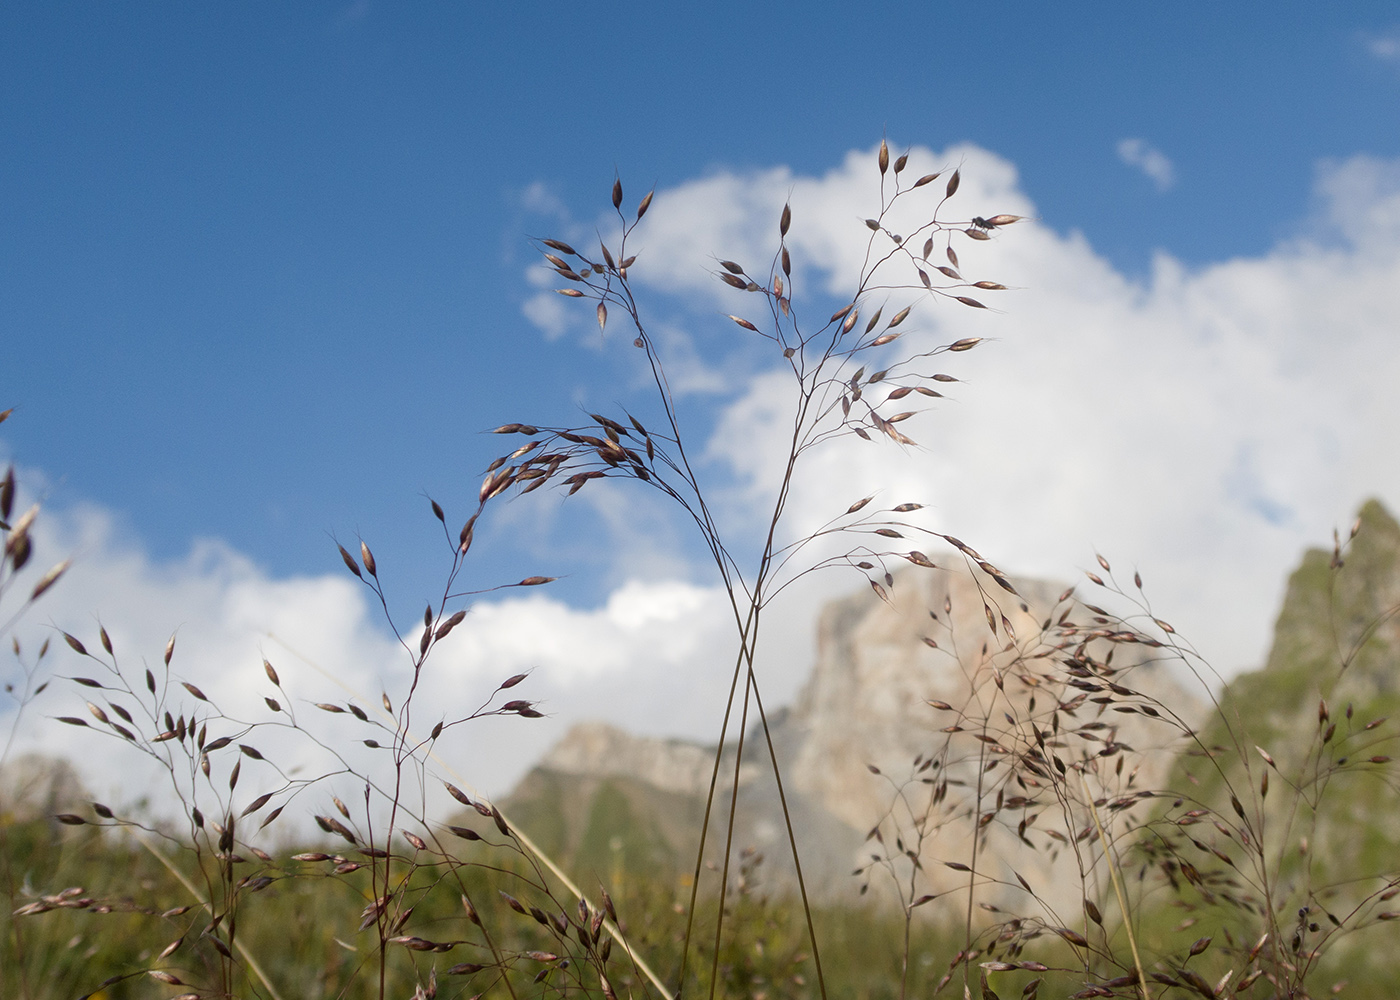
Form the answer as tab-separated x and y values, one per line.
1203	424
655	657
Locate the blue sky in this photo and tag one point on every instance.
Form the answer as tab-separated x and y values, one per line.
262	266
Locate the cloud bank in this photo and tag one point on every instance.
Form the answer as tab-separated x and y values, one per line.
654	657
1202	425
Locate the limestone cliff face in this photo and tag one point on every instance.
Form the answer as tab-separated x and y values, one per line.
867	699
878	665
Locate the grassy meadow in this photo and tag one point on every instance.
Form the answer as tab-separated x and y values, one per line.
1264	863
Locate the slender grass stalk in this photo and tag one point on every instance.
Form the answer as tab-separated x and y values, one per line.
530	845
193	890
1113	870
828	366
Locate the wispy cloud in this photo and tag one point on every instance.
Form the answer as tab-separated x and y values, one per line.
1385	45
1150	160
352	14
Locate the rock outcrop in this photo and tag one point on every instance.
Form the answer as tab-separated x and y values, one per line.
866	707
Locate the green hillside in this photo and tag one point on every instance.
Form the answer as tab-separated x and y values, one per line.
1327	809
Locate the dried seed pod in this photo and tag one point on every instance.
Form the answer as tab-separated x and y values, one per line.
884	156
617	193
350	563
953	182
450	624
785	220
368	558
500	822
48	580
